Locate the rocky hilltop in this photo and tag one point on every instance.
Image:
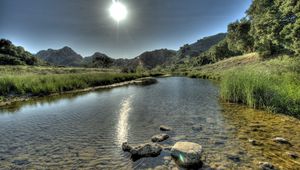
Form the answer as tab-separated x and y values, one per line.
65	56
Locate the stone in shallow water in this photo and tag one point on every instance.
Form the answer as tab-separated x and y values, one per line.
293	155
281	141
142	150
197	128
165	128
234	158
266	166
187	154
21	162
159	138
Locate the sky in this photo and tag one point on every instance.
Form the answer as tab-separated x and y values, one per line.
87	27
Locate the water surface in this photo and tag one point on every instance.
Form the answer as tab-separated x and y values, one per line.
85	131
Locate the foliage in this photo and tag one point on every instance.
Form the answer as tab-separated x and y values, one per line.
275	26
12	55
238	36
216	53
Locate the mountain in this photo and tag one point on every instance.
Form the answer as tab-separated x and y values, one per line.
64	57
151	59
98	60
13	55
202	45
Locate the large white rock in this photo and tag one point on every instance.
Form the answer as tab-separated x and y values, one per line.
187	154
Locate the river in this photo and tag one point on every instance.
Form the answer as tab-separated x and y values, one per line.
85	131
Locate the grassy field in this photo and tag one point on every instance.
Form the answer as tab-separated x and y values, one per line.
38	81
39	70
272	84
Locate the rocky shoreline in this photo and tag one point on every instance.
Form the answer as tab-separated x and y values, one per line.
187	155
140	81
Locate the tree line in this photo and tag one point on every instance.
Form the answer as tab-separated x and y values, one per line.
271	27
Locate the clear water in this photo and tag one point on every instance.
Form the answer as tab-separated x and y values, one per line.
85	131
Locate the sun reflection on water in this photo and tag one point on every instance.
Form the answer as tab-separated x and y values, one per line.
122	126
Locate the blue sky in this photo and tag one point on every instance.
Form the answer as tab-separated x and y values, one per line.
86	26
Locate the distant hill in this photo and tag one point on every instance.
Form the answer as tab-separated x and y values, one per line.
64	57
13	55
98	60
151	59
202	45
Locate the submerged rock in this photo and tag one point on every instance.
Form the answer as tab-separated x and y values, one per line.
234	158
197	128
21	162
142	150
187	154
281	141
255	142
266	166
293	155
159	138
165	128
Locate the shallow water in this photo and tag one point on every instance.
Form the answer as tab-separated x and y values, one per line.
85	131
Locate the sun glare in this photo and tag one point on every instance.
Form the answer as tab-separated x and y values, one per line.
118	11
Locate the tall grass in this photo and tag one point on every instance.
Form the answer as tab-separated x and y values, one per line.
55	83
263	89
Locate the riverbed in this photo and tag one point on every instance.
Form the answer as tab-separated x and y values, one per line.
86	130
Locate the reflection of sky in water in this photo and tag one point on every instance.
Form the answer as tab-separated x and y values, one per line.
122	126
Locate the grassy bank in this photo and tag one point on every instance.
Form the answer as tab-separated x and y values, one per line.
40	81
271	84
277	93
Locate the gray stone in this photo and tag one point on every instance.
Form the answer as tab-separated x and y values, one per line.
234	158
159	138
187	154
21	162
142	150
266	166
281	141
165	128
126	147
293	155
197	128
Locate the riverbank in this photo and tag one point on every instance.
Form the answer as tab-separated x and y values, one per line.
138	81
24	83
270	84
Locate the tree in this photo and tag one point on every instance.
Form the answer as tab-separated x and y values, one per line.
290	33
238	36
275	26
12	55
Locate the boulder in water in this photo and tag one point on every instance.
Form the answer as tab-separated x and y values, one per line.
142	150
159	138
165	128
187	154
266	166
281	141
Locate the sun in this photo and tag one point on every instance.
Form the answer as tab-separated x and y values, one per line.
118	11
